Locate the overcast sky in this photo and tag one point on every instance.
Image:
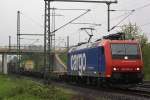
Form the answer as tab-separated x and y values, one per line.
32	19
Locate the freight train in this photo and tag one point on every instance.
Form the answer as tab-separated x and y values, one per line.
111	60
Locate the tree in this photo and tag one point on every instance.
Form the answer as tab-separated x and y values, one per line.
35	57
132	31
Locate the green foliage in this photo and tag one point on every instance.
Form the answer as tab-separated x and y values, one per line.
143	41
36	58
132	31
146	59
63	57
22	89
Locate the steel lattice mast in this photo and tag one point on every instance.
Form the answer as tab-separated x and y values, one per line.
88	1
48	35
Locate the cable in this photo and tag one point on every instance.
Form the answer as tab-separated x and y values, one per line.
122	20
29	39
68	9
134	10
144	6
34	42
117	17
35	22
71	21
121	10
88	24
145	24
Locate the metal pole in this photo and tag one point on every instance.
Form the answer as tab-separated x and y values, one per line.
45	37
9	42
49	39
52	36
52	26
108	12
54	29
18	38
53	14
67	43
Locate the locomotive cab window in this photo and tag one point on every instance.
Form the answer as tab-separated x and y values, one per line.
119	51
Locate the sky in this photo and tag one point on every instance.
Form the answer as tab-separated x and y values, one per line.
32	20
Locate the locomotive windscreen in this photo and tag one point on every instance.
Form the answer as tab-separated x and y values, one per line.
125	51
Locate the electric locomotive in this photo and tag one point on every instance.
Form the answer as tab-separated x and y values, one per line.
111	60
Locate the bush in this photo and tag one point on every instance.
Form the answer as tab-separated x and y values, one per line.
146	59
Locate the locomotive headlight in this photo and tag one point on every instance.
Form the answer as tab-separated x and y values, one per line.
138	69
114	69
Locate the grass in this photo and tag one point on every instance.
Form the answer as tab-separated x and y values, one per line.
22	89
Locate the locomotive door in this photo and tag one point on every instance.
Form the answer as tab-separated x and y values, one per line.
102	61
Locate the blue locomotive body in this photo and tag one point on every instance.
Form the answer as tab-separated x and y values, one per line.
86	62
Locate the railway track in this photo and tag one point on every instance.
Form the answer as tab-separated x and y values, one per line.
142	89
108	93
141	92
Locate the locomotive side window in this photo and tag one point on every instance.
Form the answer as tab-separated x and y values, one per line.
103	50
119	51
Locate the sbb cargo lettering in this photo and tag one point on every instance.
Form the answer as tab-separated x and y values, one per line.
78	63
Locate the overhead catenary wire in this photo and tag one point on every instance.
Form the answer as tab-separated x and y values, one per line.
88	24
117	17
67	9
144	24
141	7
84	1
132	11
121	10
29	39
71	21
33	34
122	20
33	20
34	42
